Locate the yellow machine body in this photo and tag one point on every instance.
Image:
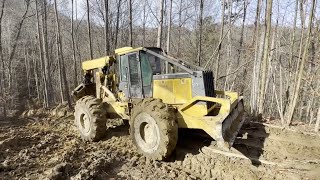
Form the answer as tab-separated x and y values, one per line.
221	121
97	63
173	91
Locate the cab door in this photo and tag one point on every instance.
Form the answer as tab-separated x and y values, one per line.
130	78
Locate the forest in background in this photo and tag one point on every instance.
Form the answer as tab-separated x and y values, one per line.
273	63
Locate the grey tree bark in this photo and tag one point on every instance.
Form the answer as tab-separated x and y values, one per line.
200	34
265	56
117	25
41	56
46	53
220	44
106	26
179	28
160	19
130	23
74	57
65	89
293	103
89	30
256	66
2	73
169	33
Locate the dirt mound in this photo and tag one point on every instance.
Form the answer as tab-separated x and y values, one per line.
51	148
61	110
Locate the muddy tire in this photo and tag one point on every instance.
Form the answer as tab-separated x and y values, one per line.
153	128
90	118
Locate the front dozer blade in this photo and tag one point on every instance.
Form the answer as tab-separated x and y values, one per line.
231	126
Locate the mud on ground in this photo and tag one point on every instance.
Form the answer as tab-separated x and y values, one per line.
50	148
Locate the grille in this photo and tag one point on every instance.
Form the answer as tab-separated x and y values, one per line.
208	86
208	83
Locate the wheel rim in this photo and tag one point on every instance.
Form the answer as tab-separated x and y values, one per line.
147	133
85	123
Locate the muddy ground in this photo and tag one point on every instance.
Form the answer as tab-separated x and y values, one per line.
50	148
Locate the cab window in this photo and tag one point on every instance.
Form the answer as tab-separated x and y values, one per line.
146	69
124	67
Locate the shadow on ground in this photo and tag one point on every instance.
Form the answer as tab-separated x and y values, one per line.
251	141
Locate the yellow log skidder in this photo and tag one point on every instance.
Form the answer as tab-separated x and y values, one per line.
136	84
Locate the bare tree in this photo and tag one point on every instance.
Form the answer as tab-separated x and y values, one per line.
89	29
200	33
265	55
41	56
256	21
106	26
159	37
75	76
65	89
220	44
144	23
46	52
256	65
168	34
242	31
117	24
169	27
2	75
130	23
293	103
15	42
179	28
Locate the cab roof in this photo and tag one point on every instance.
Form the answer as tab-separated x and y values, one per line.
125	50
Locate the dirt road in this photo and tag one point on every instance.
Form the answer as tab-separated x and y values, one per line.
50	148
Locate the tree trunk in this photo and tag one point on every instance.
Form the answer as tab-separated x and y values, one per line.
220	44
60	56
41	57
169	27
106	27
293	38
256	82
75	76
293	103
130	23
45	48
229	47
179	28
27	66
242	32
144	23
159	37
168	34
200	33
291	62
35	73
2	73
256	65
256	22
117	25
89	29
265	56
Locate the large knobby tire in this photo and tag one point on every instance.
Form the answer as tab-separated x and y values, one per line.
90	118
153	128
